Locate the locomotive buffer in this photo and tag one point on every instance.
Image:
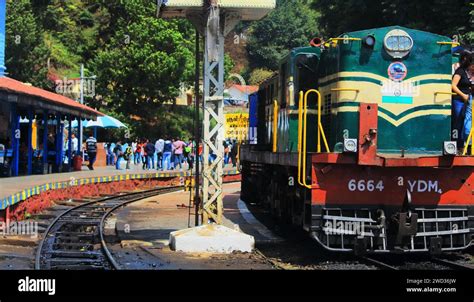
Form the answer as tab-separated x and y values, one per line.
214	19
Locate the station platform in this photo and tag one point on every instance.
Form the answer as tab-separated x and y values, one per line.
17	189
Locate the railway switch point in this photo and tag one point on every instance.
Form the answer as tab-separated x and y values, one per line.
211	238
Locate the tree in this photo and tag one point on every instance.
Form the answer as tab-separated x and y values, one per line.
26	52
292	24
143	67
445	17
259	75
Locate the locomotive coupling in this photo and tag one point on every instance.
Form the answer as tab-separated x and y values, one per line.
404	223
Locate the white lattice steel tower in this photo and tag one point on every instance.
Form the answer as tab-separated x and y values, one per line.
214	19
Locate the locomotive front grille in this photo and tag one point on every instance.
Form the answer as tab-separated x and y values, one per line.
450	225
341	229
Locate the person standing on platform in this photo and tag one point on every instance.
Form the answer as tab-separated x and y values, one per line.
179	146
137	158
226	152
150	155
189	151
234	153
128	156
111	154
74	144
134	149
143	154
91	148
167	149
173	156
159	145
119	154
200	149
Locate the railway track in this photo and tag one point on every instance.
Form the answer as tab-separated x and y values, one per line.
75	238
415	262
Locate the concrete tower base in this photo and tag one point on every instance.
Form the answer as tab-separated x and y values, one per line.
211	238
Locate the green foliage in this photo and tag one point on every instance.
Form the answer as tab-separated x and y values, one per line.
26	52
291	24
257	76
228	65
141	61
143	65
134	78
446	17
469	36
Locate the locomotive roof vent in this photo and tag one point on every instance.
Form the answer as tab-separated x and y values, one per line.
398	43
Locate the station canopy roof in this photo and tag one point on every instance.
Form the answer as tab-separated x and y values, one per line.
249	10
40	99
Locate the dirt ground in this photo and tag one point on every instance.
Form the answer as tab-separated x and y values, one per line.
143	231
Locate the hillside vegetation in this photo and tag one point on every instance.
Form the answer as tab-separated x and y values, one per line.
140	61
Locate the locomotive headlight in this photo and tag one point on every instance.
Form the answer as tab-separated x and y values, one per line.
398	43
450	148
350	145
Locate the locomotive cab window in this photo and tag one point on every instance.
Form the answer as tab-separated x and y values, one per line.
306	74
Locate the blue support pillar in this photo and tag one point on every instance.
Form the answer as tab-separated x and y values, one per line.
45	140
59	142
16	135
30	147
79	144
69	143
3	15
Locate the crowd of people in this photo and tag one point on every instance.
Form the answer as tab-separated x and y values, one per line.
163	154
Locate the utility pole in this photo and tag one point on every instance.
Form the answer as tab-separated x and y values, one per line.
81	101
197	133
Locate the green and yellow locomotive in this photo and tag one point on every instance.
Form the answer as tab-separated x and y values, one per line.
352	141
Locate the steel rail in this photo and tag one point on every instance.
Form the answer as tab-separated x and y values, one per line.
140	195
106	251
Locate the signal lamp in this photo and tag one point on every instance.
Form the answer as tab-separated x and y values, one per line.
450	148
350	145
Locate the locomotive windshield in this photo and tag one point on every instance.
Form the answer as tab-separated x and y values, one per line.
306	72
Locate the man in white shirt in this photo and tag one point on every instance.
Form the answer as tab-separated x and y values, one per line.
159	145
74	144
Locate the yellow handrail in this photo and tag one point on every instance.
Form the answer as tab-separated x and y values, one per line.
305	119
471	135
320	124
345	89
444	92
300	128
275	125
453	44
336	40
343	39
302	131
